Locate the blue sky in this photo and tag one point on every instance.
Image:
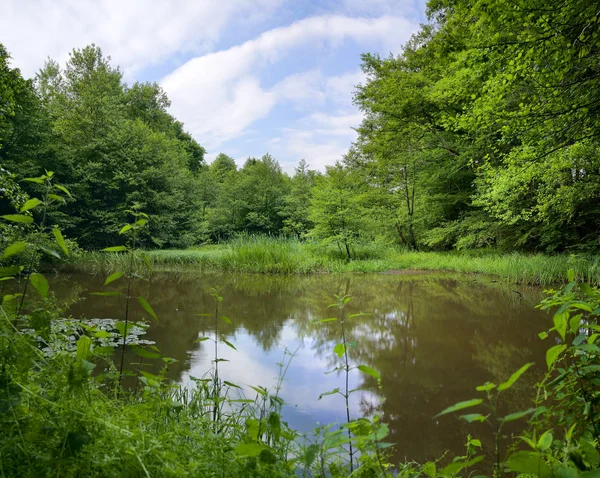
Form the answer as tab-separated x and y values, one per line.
245	76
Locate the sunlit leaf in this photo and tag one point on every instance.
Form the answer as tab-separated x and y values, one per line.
528	462
514	377
125	228
147	307
460	406
40	284
30	204
113	277
115	249
18	218
339	350
517	415
106	293
369	371
13	249
486	387
60	240
545	440
560	323
249	449
10	271
63	189
553	353
202	339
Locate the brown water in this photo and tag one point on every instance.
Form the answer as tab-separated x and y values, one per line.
433	338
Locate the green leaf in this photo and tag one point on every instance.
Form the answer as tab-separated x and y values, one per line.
429	469
460	406
553	353
145	353
30	204
13	249
125	228
147	307
486	387
231	384
18	218
10	271
106	293
113	277
528	462
202	339
322	321
339	350
369	371
229	344
115	249
39	283
545	441
63	189
515	416
84	345
146	261
50	252
473	417
560	323
227	320
60	240
249	449
581	305
332	392
34	180
514	377
101	334
261	390
571	275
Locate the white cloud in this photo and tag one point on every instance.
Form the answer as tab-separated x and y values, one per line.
216	106
136	33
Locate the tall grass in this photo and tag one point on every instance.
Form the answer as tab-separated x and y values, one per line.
272	255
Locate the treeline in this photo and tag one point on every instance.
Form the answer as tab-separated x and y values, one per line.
482	133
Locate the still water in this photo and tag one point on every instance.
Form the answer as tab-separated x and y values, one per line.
433	338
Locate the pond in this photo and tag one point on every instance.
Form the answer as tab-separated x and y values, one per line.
432	337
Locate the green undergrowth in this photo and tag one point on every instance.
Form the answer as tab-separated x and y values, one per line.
285	256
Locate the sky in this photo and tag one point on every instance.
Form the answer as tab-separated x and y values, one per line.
246	77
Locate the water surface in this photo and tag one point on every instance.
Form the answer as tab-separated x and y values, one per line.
433	339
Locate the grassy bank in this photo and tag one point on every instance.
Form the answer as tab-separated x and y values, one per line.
284	256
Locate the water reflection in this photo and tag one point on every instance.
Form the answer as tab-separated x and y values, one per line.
433	338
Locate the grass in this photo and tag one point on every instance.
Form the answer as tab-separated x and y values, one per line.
268	255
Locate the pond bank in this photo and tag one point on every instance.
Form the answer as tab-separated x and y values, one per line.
276	256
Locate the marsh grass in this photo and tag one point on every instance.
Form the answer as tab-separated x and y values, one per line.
272	255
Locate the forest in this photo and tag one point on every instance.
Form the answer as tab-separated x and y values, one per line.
480	137
482	133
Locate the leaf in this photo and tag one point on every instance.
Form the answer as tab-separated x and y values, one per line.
460	406
227	320
18	218
311	454
63	189
486	387
146	261
545	440
322	321
50	252
369	371
30	204
560	323
339	350
514	377
126	228
553	353
581	306
60	240
145	353
9	271
113	277
39	283
229	344
332	392
474	417
202	339
429	469
249	449
147	307
115	249
106	293
515	416
101	334
528	462
231	384
34	180
13	249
